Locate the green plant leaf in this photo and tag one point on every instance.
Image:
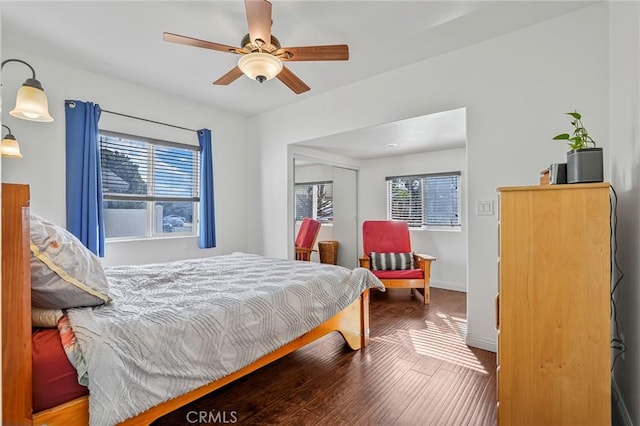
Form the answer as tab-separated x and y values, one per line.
575	115
562	136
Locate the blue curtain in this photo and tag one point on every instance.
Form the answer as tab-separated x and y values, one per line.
84	184
207	238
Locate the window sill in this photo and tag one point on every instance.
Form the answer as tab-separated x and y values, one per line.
154	238
437	229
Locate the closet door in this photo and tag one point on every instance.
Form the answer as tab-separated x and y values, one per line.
345	215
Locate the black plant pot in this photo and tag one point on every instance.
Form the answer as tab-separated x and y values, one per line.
584	165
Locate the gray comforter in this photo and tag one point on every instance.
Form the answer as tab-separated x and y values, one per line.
173	327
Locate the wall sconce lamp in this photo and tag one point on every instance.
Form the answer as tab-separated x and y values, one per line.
31	102
10	147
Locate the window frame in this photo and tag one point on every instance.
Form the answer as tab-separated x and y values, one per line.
456	227
314	208
151	200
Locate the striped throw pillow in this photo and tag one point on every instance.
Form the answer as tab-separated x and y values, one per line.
391	261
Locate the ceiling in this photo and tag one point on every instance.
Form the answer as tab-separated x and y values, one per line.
432	132
123	39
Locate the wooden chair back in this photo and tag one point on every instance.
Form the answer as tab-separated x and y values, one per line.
306	238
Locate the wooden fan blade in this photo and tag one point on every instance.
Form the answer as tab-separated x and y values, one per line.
259	20
229	77
334	52
190	41
292	81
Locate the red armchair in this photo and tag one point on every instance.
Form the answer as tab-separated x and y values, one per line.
387	236
306	238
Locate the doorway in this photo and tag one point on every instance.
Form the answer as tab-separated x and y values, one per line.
428	144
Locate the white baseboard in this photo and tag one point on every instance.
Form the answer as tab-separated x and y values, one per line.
487	345
620	405
448	286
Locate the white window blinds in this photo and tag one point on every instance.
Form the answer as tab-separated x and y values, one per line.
431	200
138	168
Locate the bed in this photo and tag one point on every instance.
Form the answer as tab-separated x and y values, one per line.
350	319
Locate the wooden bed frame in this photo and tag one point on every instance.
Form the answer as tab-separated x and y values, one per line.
352	323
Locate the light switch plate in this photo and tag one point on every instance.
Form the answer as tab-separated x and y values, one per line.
484	208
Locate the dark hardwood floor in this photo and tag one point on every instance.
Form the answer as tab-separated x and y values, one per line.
416	371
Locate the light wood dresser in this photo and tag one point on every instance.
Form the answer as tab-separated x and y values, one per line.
553	305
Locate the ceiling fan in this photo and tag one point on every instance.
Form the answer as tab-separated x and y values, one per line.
261	53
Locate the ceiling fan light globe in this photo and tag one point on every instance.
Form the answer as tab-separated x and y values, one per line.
260	66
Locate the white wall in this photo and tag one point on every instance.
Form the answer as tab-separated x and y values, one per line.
313	173
624	44
449	247
43	147
515	88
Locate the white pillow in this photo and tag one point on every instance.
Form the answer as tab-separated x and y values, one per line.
64	273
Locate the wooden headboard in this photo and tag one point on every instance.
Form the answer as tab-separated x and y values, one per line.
16	306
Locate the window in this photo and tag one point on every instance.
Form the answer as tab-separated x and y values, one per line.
430	201
150	187
315	200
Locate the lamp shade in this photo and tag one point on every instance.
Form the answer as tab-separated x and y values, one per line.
31	103
10	147
260	66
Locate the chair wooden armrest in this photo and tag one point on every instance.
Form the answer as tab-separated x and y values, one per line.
423	256
365	262
423	261
304	250
304	253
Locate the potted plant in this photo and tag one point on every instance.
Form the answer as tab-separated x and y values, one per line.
584	160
